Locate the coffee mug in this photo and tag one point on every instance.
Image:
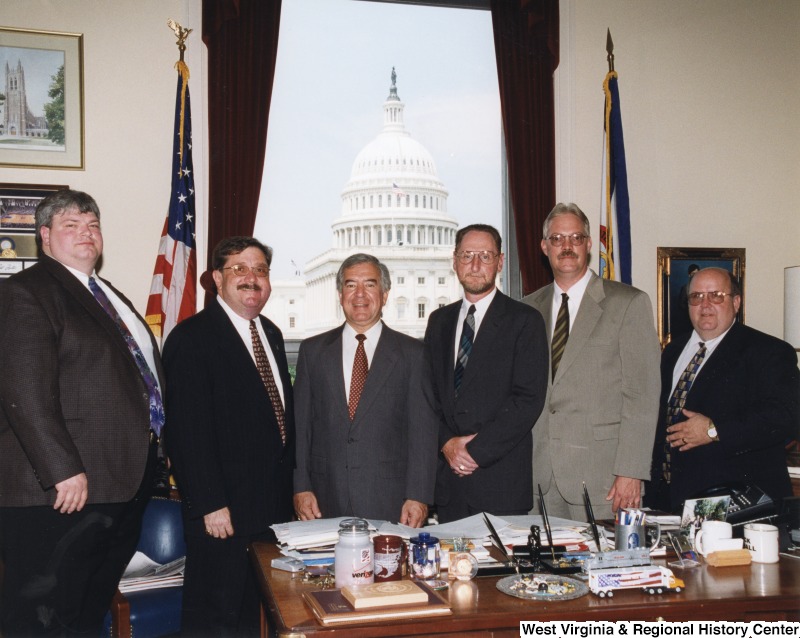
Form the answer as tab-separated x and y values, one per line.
762	541
711	532
633	536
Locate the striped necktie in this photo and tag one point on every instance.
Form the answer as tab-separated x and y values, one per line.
676	403
464	347
560	334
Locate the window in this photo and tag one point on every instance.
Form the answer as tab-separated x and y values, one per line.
420	310
401	308
442	304
421	281
291	322
291	302
442	281
401	280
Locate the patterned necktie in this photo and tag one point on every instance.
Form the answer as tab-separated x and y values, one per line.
359	378
156	404
676	403
560	334
464	347
265	370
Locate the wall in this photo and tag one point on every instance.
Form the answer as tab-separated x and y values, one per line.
129	98
709	94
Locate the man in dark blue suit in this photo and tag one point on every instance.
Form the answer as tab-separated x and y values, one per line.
231	438
489	364
740	408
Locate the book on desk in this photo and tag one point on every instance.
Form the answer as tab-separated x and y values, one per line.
330	607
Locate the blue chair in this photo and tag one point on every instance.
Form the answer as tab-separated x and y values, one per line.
155	612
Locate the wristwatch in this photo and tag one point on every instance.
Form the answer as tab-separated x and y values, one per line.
712	431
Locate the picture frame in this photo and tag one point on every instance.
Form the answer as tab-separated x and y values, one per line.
673	282
42	122
18	203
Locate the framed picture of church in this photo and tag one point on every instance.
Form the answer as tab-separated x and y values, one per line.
676	266
41	99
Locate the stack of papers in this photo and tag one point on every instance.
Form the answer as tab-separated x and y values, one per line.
144	573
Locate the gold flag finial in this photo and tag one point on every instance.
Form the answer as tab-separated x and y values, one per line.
181	33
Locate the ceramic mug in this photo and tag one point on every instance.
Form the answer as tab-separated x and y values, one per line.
633	536
389	558
762	541
711	532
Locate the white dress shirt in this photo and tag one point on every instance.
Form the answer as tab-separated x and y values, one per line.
349	345
481	306
575	294
688	352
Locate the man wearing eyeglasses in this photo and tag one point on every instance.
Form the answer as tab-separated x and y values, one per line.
488	357
600	418
230	438
729	401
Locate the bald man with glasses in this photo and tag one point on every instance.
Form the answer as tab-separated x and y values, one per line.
729	401
602	398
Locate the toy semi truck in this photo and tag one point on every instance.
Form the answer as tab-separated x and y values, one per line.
650	578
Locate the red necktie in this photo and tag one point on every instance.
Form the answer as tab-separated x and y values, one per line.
359	378
264	369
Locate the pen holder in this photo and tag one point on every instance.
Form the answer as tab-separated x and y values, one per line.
633	536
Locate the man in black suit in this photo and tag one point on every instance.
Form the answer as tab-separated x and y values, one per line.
739	407
489	363
79	425
366	441
231	438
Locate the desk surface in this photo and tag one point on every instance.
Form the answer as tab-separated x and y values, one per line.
752	592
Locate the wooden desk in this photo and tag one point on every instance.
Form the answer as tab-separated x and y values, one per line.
754	592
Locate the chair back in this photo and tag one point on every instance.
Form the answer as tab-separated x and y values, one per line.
162	531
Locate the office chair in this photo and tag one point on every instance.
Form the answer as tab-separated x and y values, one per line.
152	613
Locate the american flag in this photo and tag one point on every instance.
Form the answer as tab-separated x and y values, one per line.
173	292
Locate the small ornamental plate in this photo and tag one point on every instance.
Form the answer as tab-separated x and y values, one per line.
542	587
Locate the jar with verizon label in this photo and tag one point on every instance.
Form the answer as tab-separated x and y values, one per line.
353	553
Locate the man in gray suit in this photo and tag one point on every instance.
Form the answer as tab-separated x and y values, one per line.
366	430
600	417
80	417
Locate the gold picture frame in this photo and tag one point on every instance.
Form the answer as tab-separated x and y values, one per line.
673	280
43	115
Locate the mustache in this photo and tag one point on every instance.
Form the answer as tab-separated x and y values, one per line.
567	253
254	287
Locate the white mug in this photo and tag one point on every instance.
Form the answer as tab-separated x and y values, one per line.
711	532
762	541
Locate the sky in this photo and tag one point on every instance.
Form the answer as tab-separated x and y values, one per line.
333	74
40	66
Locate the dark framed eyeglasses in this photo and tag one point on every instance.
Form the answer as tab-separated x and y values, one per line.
715	297
466	256
575	239
240	270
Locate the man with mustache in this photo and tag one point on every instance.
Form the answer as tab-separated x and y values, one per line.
488	358
602	398
740	407
230	439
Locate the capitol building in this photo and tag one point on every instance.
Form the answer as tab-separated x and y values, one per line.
394	206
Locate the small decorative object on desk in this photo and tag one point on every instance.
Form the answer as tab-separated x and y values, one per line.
542	587
462	566
353	553
423	556
401	592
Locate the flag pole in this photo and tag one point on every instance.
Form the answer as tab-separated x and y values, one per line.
609	50
181	34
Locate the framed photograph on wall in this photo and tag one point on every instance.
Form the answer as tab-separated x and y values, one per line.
675	268
41	115
18	204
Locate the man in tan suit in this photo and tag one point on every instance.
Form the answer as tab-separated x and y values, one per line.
600	416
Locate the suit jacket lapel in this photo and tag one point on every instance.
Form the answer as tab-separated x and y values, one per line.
330	355
719	361
589	314
482	350
383	361
448	338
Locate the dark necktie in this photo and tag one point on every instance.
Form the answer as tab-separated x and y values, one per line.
560	334
464	347
156	404
265	370
359	378
677	401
